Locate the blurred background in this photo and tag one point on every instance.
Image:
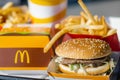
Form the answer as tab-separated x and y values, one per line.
99	7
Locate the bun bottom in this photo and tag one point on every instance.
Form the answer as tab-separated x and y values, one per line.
89	71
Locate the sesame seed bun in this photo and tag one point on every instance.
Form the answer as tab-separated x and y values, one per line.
84	48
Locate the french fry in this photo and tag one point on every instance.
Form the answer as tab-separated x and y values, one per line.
84	15
101	33
71	20
7	5
79	31
87	11
87	27
70	17
105	30
111	32
10	10
84	31
100	20
96	19
53	40
91	31
14	14
69	24
94	27
57	26
27	15
89	22
82	20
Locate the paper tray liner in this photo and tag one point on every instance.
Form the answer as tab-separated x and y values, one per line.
53	71
112	40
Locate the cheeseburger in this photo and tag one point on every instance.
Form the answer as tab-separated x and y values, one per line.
84	56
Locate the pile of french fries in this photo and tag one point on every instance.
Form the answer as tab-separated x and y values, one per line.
85	23
10	15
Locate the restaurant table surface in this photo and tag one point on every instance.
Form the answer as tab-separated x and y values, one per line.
108	8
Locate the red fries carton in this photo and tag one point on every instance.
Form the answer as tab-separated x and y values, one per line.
112	39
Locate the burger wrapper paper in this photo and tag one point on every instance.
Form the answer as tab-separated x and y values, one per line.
53	71
112	39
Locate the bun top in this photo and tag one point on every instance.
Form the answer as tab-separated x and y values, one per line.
84	48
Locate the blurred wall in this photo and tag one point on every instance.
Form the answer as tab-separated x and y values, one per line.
16	2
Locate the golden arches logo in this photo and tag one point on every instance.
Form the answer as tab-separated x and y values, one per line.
22	54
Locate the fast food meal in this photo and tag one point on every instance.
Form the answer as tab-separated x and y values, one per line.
10	15
86	24
84	56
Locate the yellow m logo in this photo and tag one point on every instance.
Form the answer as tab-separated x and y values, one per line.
22	54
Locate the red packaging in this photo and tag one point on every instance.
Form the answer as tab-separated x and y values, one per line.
112	40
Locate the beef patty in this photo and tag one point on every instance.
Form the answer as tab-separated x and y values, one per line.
95	62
